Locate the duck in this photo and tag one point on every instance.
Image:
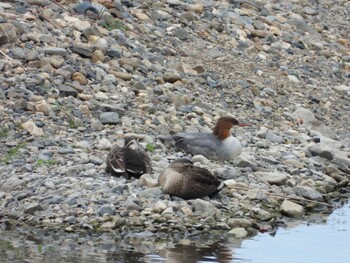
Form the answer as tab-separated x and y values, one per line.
129	160
219	145
185	180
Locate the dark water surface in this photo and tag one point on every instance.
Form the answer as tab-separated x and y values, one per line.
327	240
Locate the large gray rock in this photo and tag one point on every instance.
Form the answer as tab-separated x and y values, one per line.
109	118
12	184
32	208
308	193
291	209
204	208
275	178
106	209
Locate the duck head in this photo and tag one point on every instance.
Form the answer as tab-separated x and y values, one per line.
224	125
180	165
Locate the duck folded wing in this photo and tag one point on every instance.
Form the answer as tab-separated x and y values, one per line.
146	161
200	183
115	161
196	142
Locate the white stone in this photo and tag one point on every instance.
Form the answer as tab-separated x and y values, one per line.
32	128
238	232
104	144
276	178
293	78
291	209
159	207
148	181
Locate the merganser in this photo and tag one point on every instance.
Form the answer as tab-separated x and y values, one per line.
181	178
129	160
219	145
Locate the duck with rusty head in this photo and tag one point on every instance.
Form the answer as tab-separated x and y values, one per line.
218	145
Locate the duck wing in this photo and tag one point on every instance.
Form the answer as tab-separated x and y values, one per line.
115	161
197	143
146	162
199	183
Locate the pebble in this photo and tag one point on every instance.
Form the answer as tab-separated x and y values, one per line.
109	118
291	209
273	178
204	208
238	232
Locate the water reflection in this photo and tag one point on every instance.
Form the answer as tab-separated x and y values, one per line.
325	239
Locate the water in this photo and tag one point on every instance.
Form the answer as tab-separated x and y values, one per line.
325	241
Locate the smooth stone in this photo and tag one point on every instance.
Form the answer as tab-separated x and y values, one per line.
66	91
342	89
293	163
204	208
274	178
55	51
12	184
122	75
8	33
310	11
130	205
96	160
262	214
104	144
159	207
57	61
214	53
304	114
256	194
320	150
201	159
181	34
239	222
293	78
32	55
262	132
109	118
133	62
238	232
82	145
245	160
66	150
148	181
32	128
291	209
77	76
171	77
226	173
308	193
45	155
150	193
83	50
32	208
106	209
273	137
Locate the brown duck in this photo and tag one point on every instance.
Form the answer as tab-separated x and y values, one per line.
181	178
129	160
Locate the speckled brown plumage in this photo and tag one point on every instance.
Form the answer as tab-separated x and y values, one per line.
128	160
183	179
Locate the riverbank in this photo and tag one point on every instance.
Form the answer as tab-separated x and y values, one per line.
73	85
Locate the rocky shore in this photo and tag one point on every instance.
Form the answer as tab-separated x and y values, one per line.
72	85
